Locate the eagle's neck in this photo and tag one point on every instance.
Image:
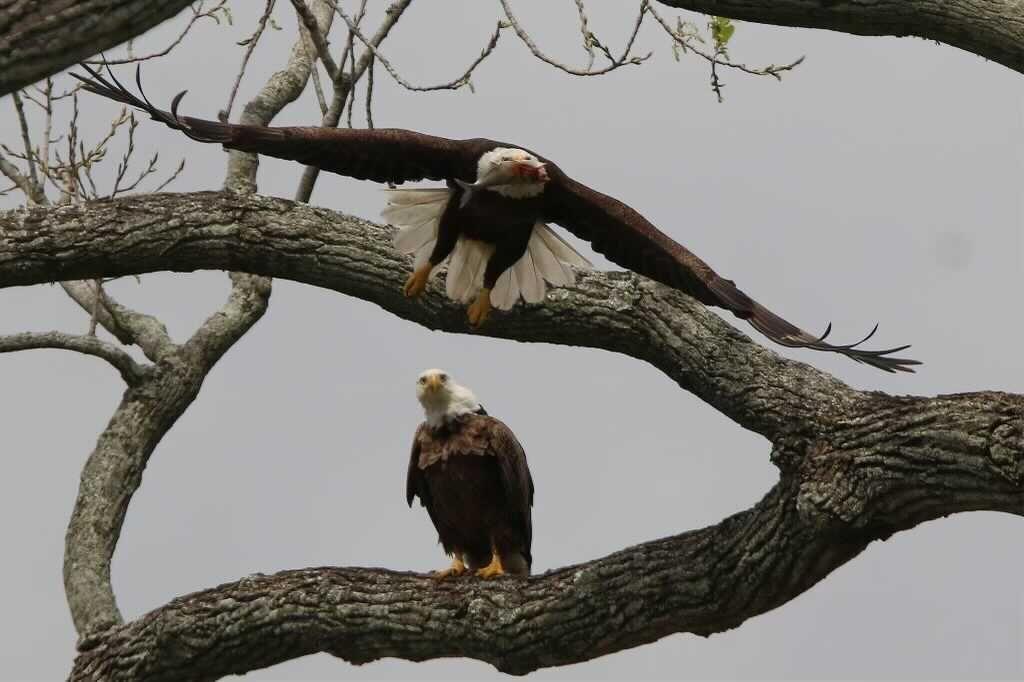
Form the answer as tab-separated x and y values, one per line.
458	402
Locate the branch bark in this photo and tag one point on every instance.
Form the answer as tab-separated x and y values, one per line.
860	483
39	38
855	466
993	29
131	371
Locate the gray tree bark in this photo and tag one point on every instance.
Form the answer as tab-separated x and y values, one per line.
854	466
113	471
993	29
38	38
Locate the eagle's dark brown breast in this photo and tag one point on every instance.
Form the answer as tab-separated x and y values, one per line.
472	477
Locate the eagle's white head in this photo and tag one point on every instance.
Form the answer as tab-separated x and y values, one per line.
511	172
442	398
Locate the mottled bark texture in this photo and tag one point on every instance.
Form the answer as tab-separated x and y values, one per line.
993	29
113	472
38	38
855	466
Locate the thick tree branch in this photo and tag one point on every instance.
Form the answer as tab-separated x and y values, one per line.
38	38
113	471
130	370
993	29
892	464
616	311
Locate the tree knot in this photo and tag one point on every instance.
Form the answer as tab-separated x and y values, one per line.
830	494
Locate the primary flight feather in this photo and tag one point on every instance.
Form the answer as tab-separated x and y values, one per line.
490	221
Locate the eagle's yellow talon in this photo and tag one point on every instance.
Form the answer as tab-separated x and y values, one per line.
455	570
480	308
493	569
417	281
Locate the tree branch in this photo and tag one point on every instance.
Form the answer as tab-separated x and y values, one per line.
130	370
344	82
309	21
862	483
113	471
38	38
616	311
992	29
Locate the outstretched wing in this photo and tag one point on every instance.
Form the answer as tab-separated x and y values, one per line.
628	239
380	154
515	477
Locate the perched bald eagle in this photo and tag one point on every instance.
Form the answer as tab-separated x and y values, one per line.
470	472
489	222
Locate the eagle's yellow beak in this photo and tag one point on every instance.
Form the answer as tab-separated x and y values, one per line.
433	382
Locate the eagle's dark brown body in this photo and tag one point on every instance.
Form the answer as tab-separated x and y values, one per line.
471	475
492	218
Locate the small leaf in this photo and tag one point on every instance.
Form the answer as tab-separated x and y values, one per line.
722	29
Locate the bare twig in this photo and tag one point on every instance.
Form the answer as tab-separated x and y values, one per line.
250	45
321	100
685	41
369	95
26	139
172	178
131	371
20	180
455	84
317	36
615	62
197	13
588	44
345	81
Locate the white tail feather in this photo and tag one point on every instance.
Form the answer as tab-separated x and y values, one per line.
410	238
506	290
531	281
551	269
559	247
466	268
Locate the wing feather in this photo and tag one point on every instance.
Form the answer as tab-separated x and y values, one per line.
379	154
414	478
515	478
628	239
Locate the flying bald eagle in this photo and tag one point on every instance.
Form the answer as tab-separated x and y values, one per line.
489	222
470	472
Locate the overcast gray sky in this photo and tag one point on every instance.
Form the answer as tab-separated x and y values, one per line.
879	182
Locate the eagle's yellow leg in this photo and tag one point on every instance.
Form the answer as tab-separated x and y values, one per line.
480	308
493	569
417	281
456	569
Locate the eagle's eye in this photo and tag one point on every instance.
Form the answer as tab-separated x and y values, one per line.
443	378
421	380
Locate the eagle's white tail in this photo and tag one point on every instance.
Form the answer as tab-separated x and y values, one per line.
546	261
417	212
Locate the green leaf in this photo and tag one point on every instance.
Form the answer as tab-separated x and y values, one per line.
722	29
